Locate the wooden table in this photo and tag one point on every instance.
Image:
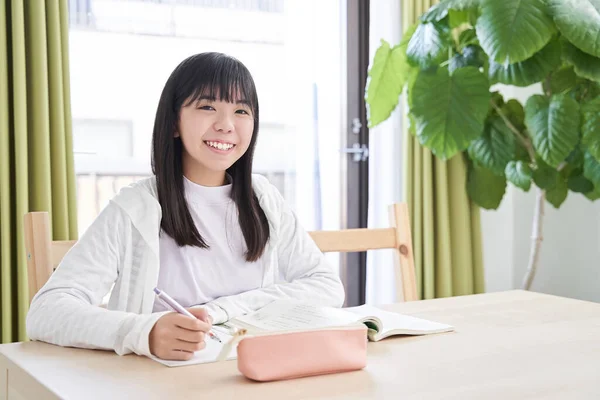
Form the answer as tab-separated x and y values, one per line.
510	345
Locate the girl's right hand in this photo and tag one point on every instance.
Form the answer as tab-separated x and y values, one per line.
176	336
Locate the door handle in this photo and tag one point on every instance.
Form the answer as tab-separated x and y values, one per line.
359	152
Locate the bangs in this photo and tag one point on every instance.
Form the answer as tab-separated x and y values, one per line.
224	80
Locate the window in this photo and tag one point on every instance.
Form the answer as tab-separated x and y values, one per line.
103	137
122	52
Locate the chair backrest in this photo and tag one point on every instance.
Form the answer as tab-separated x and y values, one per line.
397	237
44	254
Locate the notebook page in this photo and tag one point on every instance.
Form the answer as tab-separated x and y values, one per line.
283	315
207	355
393	321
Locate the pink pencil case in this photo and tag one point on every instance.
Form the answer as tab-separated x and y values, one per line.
295	354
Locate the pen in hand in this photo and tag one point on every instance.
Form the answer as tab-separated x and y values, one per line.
175	306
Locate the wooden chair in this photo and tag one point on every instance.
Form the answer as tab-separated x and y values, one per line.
397	237
44	254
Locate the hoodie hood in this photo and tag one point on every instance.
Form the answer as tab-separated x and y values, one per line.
140	202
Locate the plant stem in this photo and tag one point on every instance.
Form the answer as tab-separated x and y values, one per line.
536	238
526	142
536	232
547	80
585	90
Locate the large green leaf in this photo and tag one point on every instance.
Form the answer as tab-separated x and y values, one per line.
584	90
387	77
495	148
521	153
585	65
468	37
449	109
496	99
553	125
594	194
560	81
511	31
410	84
428	45
591	169
545	176
444	8
519	174
590	127
515	113
462	4
579	183
527	72
471	55
484	187
462	12
578	21
575	159
558	194
437	12
457	18
412	78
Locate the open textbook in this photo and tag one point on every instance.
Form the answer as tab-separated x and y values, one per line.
283	315
287	315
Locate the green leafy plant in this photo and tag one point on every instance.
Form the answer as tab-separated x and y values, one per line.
448	64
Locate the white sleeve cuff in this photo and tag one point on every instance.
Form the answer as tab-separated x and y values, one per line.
142	346
217	313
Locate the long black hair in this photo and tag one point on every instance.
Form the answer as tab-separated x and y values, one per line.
224	78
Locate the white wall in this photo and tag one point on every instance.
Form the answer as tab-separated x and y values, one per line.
570	257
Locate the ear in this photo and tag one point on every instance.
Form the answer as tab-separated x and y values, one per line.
176	134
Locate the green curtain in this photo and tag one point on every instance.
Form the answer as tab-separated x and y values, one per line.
36	149
445	224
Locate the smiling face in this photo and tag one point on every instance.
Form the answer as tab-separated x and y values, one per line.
206	125
215	134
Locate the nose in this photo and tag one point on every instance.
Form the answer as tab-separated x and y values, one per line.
224	124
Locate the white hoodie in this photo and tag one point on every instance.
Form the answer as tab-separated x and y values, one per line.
121	247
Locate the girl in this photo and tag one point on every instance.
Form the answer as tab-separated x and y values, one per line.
203	229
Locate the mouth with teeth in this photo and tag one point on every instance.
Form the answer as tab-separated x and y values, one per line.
219	147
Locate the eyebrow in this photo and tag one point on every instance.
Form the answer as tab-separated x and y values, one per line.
212	98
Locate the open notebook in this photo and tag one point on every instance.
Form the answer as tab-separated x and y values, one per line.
209	354
283	315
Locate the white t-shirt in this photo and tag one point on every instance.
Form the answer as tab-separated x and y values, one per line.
194	276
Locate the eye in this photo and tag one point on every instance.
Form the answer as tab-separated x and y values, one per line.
244	112
206	108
